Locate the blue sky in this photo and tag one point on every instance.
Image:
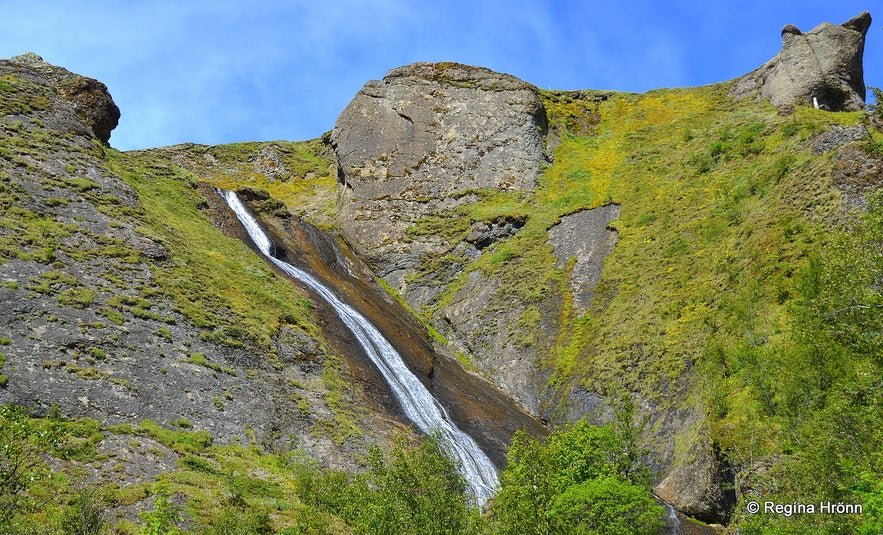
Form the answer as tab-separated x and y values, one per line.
220	71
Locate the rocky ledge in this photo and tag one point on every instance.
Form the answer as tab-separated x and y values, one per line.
89	98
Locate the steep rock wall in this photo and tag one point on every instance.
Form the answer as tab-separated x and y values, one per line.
419	141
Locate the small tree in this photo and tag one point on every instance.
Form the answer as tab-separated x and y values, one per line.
22	446
606	505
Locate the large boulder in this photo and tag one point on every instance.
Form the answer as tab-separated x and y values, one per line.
89	98
822	67
418	141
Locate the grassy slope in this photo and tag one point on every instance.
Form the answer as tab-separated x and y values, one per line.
722	207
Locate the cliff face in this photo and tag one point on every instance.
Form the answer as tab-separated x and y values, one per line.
122	301
580	251
610	273
418	142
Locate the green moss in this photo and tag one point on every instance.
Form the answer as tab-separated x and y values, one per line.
200	360
76	297
218	284
112	315
181	441
164	333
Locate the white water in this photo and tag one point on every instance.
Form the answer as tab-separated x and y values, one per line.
417	402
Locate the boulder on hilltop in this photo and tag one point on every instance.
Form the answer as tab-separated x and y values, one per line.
417	141
90	98
822	67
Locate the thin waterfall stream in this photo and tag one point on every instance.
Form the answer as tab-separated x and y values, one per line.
419	405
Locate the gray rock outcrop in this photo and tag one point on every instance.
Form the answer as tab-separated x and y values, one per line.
585	238
419	141
90	98
822	67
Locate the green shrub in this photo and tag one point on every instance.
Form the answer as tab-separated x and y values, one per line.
574	480
86	513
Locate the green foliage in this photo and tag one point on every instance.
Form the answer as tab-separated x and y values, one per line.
165	517
817	388
181	441
417	491
239	521
607	505
86	514
581	480
22	446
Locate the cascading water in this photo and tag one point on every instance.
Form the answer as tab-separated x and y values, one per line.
418	403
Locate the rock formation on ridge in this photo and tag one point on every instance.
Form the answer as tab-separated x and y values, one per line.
90	98
419	140
822	67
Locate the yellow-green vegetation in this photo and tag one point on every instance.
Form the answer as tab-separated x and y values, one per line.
722	286
216	282
19	96
306	181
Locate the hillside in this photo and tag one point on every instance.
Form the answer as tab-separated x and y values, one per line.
695	272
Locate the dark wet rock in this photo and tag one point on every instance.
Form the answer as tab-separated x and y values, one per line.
822	67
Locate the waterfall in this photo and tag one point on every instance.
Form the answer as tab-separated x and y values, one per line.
417	402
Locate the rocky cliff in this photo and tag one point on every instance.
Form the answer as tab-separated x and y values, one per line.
419	142
546	280
126	304
620	257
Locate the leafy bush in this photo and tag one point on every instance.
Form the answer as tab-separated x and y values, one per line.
411	490
581	480
606	505
22	447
